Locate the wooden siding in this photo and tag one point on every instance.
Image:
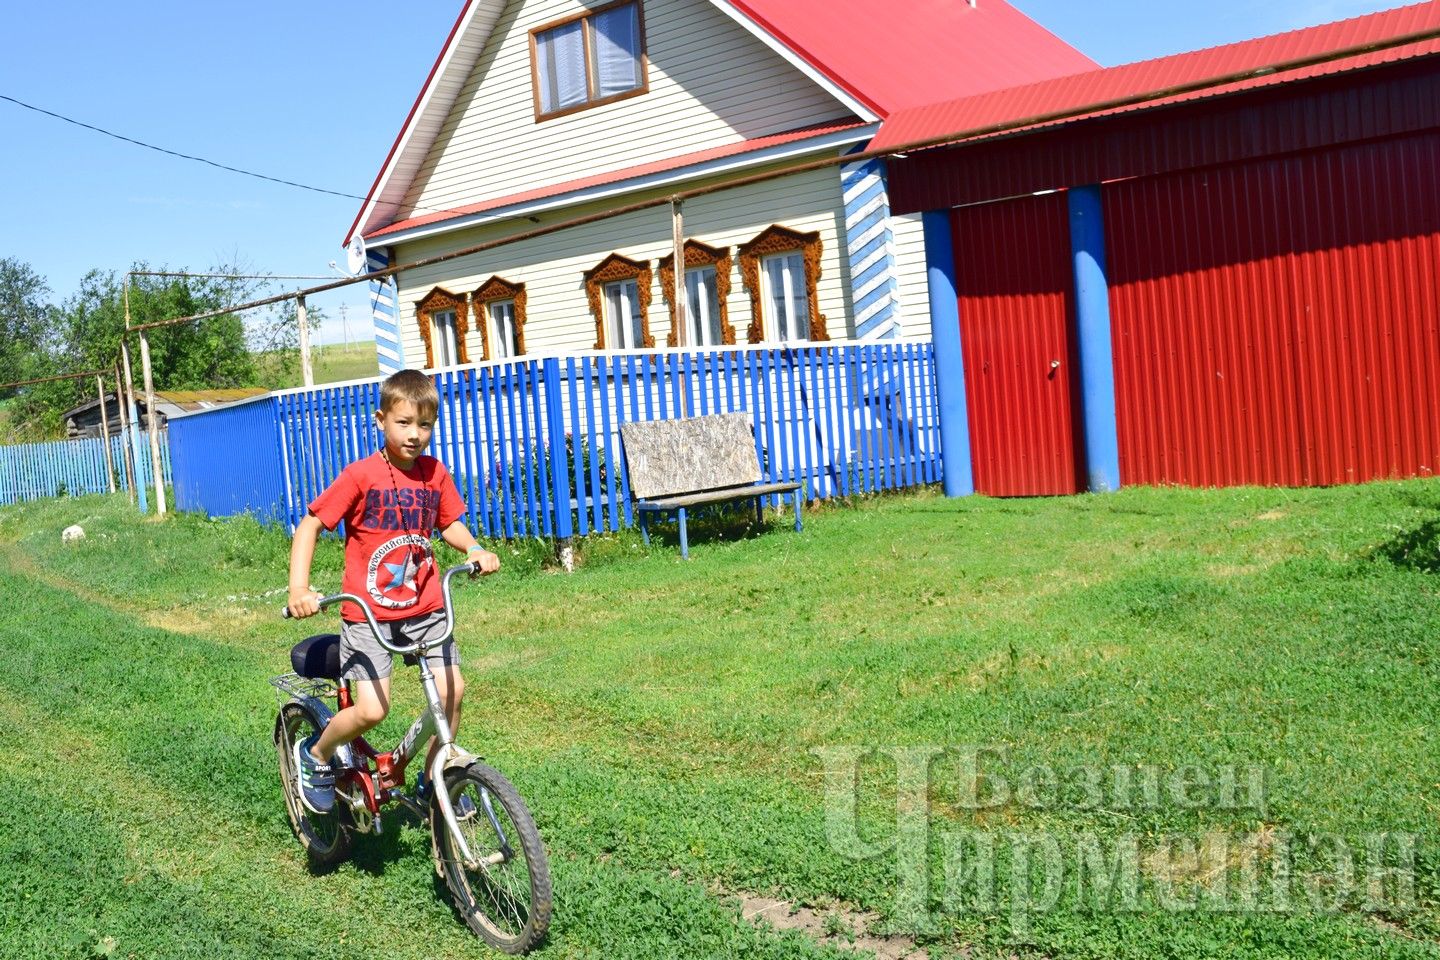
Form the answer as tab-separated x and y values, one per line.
911	275
552	267
711	84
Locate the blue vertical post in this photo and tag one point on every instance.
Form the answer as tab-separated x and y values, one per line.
140	481
559	462
1092	327
959	478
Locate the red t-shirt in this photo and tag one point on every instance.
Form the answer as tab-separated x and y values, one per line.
389	514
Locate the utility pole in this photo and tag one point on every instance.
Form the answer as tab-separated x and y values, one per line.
157	468
302	320
139	482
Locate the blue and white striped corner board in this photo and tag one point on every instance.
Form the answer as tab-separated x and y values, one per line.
871	249
388	351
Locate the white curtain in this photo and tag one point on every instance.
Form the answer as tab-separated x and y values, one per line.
446	354
616	50
503	313
789	300
624	305
561	54
704	307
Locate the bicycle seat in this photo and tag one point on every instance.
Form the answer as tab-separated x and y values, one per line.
317	657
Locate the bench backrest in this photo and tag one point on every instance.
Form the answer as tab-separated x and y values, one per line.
668	457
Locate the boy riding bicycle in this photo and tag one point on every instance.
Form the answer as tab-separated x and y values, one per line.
390	502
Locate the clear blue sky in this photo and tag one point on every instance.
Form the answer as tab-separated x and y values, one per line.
315	92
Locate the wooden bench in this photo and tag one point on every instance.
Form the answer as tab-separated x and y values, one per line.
677	464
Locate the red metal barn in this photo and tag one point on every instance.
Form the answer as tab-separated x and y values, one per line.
1262	302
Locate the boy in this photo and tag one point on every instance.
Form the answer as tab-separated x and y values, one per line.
390	502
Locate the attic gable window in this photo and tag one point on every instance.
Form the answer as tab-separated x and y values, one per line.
596	58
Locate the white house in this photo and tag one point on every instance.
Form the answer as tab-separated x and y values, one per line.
540	111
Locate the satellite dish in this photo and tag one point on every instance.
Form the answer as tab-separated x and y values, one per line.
355	256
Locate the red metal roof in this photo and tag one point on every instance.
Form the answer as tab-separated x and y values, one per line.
932	49
957	115
935	49
628	173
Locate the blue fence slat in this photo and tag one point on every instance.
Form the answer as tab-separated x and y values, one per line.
623	480
603	391
489	394
509	471
854	403
922	415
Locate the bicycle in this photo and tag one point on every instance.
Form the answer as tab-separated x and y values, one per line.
492	861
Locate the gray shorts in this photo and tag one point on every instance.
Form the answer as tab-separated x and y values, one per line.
362	657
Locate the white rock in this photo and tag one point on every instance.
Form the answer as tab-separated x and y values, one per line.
72	533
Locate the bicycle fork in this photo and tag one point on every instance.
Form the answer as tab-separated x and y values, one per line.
434	722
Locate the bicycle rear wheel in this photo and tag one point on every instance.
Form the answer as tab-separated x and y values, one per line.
504	895
326	838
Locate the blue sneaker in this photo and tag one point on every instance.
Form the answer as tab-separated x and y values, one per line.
464	807
317	780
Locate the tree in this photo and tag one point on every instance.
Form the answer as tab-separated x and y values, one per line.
26	317
85	331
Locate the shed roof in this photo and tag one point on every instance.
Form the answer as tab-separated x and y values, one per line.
1075	92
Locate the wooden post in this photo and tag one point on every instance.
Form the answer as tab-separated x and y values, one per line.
156	467
142	498
105	432
127	458
677	238
302	319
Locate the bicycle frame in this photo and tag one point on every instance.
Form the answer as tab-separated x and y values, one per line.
432	721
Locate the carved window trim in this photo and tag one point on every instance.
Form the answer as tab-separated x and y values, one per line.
498	288
436	300
612	268
774	240
697	255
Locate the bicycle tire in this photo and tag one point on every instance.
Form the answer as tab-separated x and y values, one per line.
508	904
326	838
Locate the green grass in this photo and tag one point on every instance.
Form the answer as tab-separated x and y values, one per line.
334	363
659	717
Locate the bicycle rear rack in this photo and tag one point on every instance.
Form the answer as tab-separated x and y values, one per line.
292	685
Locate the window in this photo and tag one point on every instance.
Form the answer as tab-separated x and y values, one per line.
707	290
502	320
781	268
702	307
592	59
622	314
786	303
619	293
444	319
501	306
444	339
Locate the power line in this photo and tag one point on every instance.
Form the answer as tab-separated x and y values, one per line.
176	153
227	276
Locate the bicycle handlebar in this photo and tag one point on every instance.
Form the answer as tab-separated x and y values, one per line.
468	567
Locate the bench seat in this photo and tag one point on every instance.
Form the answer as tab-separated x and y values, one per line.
716	496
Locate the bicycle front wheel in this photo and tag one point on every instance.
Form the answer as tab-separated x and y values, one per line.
504	892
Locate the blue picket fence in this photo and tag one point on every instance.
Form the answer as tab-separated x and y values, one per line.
534	443
31	471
